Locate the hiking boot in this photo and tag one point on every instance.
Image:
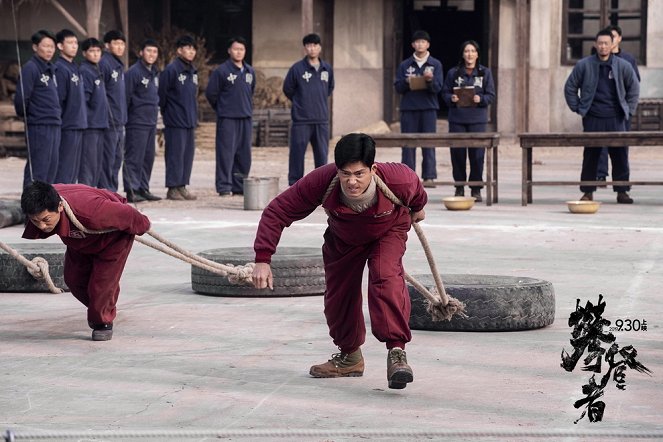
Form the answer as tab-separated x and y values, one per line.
145	193
340	365
459	191
623	198
476	194
429	183
399	374
102	332
587	196
134	196
186	194
174	194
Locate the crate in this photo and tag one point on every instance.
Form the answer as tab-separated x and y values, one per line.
648	115
271	127
12	133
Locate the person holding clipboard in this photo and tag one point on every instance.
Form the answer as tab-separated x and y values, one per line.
468	90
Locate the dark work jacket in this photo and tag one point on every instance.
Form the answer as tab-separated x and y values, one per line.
309	90
38	87
423	99
484	87
230	90
95	96
112	69
178	94
72	95
142	95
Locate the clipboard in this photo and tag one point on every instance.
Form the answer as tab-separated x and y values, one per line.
417	83
465	96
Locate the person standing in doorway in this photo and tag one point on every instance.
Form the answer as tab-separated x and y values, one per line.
112	68
178	100
308	84
97	113
604	90
74	111
419	81
142	83
37	101
616	32
230	93
468	90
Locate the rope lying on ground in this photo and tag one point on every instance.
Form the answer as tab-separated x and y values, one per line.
38	267
441	306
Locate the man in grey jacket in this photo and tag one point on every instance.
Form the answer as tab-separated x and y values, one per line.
604	90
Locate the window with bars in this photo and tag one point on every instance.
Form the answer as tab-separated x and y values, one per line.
583	19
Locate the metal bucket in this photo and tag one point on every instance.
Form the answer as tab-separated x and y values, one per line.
259	191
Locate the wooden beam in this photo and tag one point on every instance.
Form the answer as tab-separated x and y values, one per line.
70	18
93	17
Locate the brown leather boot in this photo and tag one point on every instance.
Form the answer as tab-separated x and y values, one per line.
174	194
399	374
340	365
186	194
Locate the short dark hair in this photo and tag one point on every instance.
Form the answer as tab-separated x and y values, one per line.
420	35
149	42
185	40
354	147
615	28
604	32
311	39
39	196
236	39
41	34
63	34
114	35
91	43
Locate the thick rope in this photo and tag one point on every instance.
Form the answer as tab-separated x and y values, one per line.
235	274
38	268
441	306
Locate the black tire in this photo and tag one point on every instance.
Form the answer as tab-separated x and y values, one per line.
492	303
298	271
10	213
14	276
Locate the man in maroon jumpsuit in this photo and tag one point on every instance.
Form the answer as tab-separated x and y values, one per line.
363	226
93	262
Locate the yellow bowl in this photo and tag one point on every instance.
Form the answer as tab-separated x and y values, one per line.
458	202
583	206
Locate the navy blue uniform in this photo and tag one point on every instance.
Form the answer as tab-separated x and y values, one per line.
96	103
74	120
602	171
37	100
468	119
142	84
230	91
309	89
178	100
419	110
112	69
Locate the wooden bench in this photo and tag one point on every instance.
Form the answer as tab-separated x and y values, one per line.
529	141
488	140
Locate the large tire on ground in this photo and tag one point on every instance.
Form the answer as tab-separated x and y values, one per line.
10	213
14	276
298	271
492	303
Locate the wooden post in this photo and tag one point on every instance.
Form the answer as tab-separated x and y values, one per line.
123	7
307	17
522	64
93	16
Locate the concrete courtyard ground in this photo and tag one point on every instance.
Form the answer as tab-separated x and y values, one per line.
238	367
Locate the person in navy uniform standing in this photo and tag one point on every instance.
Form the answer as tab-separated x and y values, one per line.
472	117
229	92
419	102
74	111
37	101
178	100
112	68
616	32
142	84
97	113
308	84
604	90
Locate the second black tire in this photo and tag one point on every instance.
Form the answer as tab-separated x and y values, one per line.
14	276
